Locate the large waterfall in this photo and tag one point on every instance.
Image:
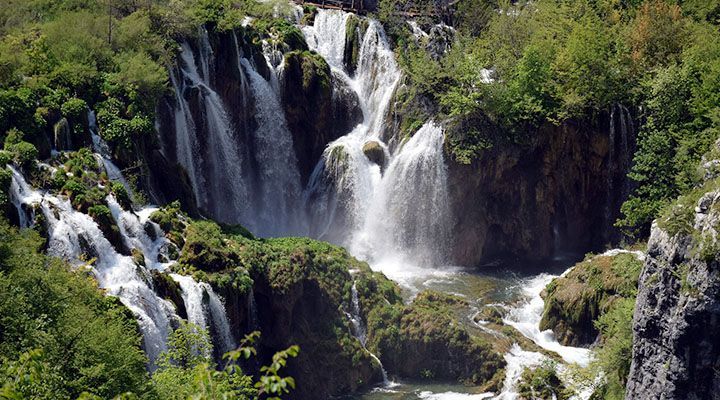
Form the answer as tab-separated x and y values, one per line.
402	212
398	210
382	196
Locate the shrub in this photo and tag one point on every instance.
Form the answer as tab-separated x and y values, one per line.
74	108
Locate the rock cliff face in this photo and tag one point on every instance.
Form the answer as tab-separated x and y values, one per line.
319	107
552	193
676	346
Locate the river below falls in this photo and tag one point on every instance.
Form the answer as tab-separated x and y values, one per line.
513	286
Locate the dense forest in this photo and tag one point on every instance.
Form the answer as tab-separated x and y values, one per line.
496	74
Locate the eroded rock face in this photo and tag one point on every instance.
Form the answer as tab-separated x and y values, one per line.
553	192
319	107
676	346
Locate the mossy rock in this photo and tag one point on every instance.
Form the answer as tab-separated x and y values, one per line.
314	70
137	256
282	34
62	136
374	152
574	302
355	29
166	287
426	339
543	383
105	221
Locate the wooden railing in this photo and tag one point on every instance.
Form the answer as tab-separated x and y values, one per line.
355	6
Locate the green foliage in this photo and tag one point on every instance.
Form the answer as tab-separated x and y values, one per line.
74	108
25	153
188	346
681	125
614	354
575	301
61	335
186	370
118	127
315	70
281	33
271	384
423	338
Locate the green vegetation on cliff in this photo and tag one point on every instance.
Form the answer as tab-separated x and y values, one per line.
542	383
574	302
425	340
513	66
597	298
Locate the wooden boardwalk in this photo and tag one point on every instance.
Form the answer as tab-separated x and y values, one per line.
356	6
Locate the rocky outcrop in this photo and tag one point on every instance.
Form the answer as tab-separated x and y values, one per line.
575	301
315	295
374	152
424	340
676	348
319	107
552	192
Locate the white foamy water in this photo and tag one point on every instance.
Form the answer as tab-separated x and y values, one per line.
428	395
203	308
517	360
395	216
76	237
73	234
526	319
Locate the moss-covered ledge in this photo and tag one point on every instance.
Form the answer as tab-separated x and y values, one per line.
574	302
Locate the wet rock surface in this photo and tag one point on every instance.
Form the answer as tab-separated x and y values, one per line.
676	348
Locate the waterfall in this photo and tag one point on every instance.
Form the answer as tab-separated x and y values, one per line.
279	179
76	237
103	154
526	319
220	321
360	331
202	304
253	320
621	130
192	295
356	317
73	235
327	36
350	199
240	174
402	212
217	174
410	211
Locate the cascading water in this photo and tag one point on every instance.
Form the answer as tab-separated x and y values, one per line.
202	304
279	179
620	132
74	236
360	331
218	179
410	211
102	152
385	218
258	188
